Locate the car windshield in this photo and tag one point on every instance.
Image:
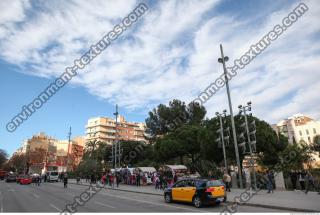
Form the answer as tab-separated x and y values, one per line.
54	173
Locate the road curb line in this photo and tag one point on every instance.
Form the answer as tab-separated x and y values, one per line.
246	204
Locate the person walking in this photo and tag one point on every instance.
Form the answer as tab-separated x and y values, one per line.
78	179
227	180
65	180
138	179
104	179
117	179
294	178
161	182
269	182
301	180
38	180
309	180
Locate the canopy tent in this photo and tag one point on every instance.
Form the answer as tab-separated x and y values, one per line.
176	167
147	169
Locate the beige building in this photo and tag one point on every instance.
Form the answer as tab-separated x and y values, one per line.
299	127
104	129
56	151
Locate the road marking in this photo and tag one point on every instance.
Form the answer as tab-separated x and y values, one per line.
154	203
55	207
11	190
1	202
35	196
100	203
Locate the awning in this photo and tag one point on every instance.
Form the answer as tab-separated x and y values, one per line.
147	169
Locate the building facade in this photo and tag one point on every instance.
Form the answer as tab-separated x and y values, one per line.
104	129
46	153
298	127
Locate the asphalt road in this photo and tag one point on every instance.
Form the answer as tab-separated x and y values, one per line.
52	197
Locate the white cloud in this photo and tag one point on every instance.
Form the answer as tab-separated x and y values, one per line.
170	53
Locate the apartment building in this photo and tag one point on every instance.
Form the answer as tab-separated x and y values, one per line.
298	127
104	129
54	152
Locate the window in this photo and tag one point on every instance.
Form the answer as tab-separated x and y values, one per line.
314	131
300	132
307	131
190	183
309	139
180	184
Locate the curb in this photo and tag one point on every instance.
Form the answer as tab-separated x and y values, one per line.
246	204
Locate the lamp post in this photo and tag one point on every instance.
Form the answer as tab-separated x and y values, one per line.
68	154
252	143
117	143
223	60
221	138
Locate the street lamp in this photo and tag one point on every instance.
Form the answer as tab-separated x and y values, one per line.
251	142
222	138
223	60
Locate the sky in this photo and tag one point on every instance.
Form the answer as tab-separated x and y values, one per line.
170	52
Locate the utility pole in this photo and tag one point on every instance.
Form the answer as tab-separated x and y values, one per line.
68	154
116	139
222	138
223	60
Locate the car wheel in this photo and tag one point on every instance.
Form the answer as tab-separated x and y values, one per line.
168	198
197	202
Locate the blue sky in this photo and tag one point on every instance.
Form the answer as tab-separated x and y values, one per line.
171	52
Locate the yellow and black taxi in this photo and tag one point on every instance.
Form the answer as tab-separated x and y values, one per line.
197	191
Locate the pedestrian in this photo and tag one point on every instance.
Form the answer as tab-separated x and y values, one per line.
227	180
301	180
117	179
103	179
309	180
269	182
161	182
138	179
78	179
294	177
175	178
38	180
45	177
157	182
65	180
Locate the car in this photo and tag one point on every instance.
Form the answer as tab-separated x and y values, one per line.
25	179
52	176
10	178
199	192
2	174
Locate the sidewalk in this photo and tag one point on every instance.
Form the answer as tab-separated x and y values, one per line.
286	200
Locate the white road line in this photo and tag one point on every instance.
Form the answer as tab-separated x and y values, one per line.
100	203
154	203
35	196
55	207
1	202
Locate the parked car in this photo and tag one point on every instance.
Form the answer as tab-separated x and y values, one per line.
52	176
199	192
11	178
2	174
25	179
18	177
